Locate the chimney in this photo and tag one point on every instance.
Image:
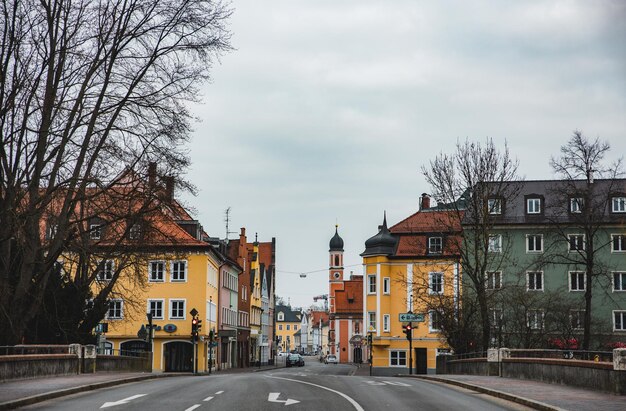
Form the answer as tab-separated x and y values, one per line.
424	201
169	188
152	171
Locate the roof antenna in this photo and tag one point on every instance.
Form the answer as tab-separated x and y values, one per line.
227	220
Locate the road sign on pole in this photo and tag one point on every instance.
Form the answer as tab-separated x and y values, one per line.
411	317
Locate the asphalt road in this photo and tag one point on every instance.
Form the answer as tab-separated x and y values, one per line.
315	386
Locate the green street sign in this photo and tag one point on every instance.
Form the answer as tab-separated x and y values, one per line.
411	318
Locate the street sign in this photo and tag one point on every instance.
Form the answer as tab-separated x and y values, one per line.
411	317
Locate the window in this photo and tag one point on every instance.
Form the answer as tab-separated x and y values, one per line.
576	242
619	281
494	206
576	205
280	327
496	318
135	232
397	358
434	321
534	281
386	322
371	321
533	205
371	284
618	243
435	283
295	327
155	307
577	280
156	271
116	310
435	245
177	309
95	231
534	319
281	316
288	327
211	311
493	280
386	285
619	320
51	231
495	243
577	319
212	275
105	270
619	204
534	243
178	271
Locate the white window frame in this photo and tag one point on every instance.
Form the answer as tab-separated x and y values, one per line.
371	284
435	245
150	278
618	204
580	316
621	243
134	233
578	247
622	275
534	274
622	320
431	315
211	311
534	316
494	243
121	309
288	326
149	308
171	308
493	284
431	283
280	327
104	273
95	231
178	280
371	321
497	315
386	322
533	205
569	280
534	243
494	206
576	205
386	285
398	358
280	316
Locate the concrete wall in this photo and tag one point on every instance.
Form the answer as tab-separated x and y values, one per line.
13	367
470	366
122	363
392	371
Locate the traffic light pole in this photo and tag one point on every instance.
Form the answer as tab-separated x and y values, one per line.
410	338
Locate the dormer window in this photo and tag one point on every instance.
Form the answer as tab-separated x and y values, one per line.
494	206
576	205
533	205
95	231
135	232
619	204
435	245
281	316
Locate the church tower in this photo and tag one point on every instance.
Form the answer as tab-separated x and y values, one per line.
336	257
335	278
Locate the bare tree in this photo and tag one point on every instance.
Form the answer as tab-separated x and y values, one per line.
87	90
582	204
473	183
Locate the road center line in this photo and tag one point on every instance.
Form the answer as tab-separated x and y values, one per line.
208	399
193	407
219	392
355	404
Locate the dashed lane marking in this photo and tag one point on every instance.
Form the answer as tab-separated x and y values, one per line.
208	399
219	392
193	407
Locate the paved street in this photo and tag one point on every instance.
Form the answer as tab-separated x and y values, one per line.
315	386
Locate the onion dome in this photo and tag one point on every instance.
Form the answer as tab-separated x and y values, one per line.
382	243
336	243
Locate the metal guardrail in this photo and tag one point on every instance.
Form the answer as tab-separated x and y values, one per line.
598	356
125	353
34	349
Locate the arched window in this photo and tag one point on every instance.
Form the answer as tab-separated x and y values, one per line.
281	316
336	261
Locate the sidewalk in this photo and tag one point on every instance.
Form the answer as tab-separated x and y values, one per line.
535	394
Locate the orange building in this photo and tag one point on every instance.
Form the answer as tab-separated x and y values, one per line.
345	297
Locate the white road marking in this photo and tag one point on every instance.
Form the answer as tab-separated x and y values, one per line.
401	384
193	407
208	399
120	402
273	397
355	404
219	392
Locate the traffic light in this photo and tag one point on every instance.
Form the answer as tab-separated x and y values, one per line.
369	339
194	328
198	326
408	330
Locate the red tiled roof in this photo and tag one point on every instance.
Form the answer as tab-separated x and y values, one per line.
429	221
413	232
350	299
319	316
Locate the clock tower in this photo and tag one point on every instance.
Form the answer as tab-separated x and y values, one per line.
335	278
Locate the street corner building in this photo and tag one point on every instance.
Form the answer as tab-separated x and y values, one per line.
412	267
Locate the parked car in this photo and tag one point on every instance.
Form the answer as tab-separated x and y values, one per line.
331	359
295	360
283	354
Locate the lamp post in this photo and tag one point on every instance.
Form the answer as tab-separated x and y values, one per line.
211	335
370	338
150	338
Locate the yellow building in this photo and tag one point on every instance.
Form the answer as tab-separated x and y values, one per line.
287	325
410	268
255	304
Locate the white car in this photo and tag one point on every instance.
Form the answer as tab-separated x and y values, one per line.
331	359
283	354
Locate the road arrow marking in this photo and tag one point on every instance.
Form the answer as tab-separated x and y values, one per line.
120	402
273	397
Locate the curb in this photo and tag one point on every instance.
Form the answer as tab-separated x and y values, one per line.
9	405
538	405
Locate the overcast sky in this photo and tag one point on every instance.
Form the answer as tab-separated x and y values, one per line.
327	110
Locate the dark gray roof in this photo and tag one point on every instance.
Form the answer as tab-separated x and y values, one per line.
382	243
290	316
336	243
